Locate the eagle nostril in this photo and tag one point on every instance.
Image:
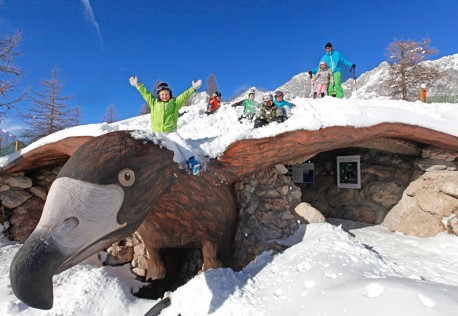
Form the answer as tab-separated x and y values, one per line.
69	224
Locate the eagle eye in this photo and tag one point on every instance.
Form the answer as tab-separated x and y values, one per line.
126	177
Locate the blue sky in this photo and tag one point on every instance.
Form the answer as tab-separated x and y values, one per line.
98	45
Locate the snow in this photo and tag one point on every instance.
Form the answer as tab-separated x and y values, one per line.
209	136
327	270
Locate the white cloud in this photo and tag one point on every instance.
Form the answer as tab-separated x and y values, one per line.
90	16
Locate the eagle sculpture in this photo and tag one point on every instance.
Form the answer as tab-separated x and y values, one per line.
114	184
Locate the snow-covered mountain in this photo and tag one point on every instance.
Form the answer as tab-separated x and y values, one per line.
370	84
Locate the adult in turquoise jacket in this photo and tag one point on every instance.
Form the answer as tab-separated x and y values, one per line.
333	60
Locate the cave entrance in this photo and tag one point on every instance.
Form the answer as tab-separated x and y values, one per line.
358	183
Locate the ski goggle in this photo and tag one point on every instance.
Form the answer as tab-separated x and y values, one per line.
162	86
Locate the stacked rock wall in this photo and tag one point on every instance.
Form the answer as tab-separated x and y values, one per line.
22	197
265	202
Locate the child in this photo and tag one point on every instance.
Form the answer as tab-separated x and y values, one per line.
214	103
322	79
268	113
164	116
250	106
285	106
422	93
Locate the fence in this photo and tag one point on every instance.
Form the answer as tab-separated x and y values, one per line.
11	148
442	99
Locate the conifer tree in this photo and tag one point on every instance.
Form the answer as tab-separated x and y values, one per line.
9	72
110	115
48	112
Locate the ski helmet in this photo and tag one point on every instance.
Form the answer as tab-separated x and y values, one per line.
423	86
328	44
267	97
322	62
279	93
163	86
217	94
251	92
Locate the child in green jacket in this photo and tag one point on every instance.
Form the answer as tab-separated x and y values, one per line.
250	106
164	116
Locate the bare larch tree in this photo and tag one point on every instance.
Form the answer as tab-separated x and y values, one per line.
9	73
48	112
110	115
407	72
212	86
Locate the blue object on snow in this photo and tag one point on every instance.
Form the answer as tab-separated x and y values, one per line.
194	165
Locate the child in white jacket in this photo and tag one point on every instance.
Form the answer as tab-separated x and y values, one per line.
322	78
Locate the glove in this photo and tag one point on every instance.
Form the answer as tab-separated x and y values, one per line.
196	85
352	67
280	119
310	73
133	81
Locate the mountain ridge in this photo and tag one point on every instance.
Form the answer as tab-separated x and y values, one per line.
370	84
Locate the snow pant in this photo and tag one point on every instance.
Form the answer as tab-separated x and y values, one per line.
337	85
321	88
178	145
260	123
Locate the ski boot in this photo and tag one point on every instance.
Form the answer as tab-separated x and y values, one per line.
193	165
314	95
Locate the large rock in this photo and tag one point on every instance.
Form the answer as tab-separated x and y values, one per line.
423	207
309	214
13	198
450	187
17	181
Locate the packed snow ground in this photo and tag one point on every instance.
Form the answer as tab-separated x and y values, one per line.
327	271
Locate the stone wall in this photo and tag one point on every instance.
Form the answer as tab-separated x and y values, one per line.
22	199
265	202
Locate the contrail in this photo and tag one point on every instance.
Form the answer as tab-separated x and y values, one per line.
90	16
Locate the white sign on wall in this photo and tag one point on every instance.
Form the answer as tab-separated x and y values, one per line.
303	173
